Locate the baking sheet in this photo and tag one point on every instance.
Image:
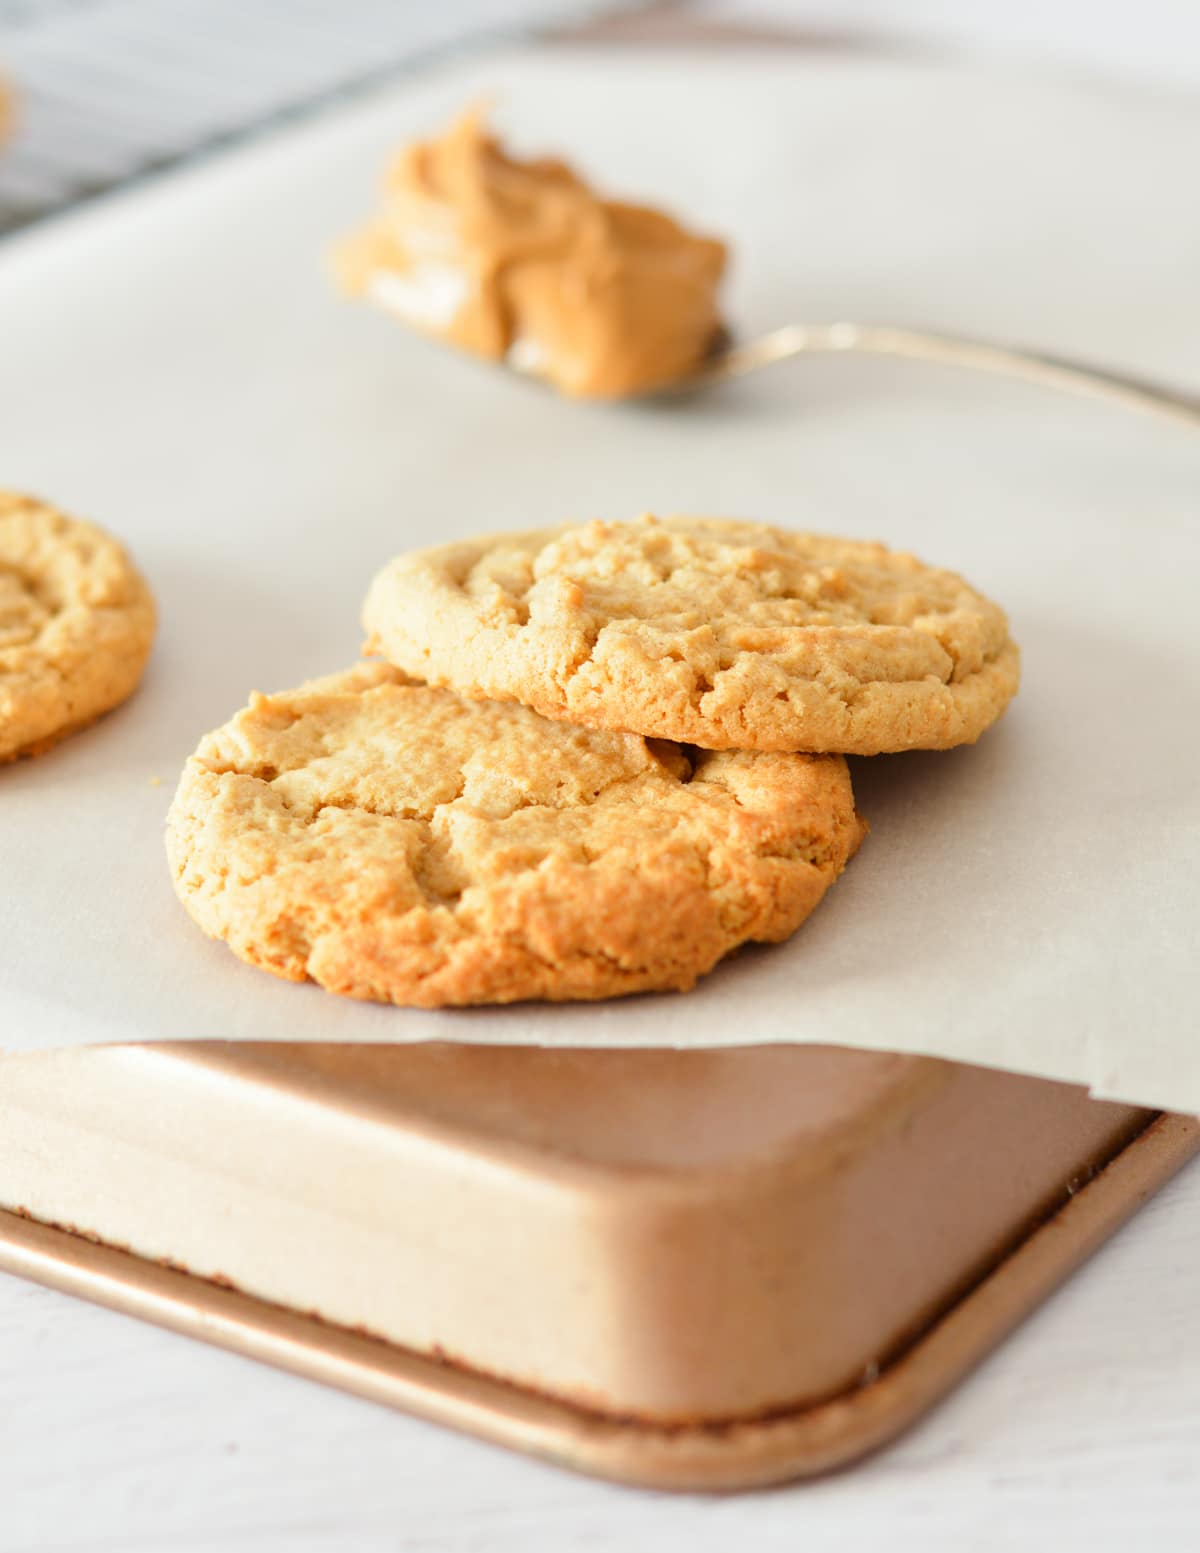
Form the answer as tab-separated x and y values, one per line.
112	89
174	364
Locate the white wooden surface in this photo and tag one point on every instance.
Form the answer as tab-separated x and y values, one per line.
1083	1431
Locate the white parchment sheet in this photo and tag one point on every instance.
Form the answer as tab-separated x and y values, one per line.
174	364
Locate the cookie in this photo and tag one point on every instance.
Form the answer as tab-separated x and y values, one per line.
707	631
396	842
76	624
520	261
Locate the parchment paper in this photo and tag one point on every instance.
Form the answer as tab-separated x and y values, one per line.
174	364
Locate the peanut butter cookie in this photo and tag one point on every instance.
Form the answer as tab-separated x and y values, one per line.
396	842
707	631
76	624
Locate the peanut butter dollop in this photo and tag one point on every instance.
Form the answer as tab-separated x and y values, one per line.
8	113
521	261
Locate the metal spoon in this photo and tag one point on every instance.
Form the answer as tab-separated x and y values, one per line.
732	361
428	299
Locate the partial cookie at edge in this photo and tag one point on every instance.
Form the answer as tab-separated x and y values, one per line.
724	634
398	843
77	623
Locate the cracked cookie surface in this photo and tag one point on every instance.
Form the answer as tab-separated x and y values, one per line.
708	631
397	842
76	624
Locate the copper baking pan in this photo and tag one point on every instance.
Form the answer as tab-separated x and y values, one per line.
706	1269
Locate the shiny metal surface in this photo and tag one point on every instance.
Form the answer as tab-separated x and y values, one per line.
526	1241
1037	367
785	1443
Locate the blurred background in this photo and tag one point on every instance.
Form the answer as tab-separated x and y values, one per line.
99	92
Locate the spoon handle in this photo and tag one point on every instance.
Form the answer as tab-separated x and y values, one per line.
953	351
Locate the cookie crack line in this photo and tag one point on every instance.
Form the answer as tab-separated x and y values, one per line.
743	651
29	591
644	889
333	804
271	776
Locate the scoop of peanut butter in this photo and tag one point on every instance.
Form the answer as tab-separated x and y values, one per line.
521	261
8	112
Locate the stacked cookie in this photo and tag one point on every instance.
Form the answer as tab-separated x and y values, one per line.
594	761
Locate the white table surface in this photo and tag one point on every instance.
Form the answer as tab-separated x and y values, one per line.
1083	1431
